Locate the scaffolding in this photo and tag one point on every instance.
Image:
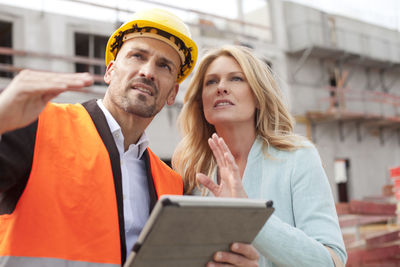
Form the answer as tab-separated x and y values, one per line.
202	23
341	42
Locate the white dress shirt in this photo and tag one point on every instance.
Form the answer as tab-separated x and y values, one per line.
135	191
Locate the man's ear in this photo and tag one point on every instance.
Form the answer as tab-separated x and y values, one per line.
172	95
110	69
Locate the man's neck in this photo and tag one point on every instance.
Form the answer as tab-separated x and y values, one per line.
132	126
132	129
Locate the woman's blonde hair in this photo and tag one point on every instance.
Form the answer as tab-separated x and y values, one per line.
274	123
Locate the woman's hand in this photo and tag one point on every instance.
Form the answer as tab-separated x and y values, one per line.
230	186
241	255
28	93
231	182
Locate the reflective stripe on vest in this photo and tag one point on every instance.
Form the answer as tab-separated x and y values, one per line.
68	210
48	262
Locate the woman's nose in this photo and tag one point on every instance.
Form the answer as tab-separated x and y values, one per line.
222	89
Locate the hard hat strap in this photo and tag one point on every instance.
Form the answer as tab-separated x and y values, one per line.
158	37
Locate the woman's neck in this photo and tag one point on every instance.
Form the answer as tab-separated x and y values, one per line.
239	140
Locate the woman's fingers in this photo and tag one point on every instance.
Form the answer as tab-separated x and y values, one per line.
233	178
246	250
217	151
223	145
219	148
231	164
208	183
241	255
230	178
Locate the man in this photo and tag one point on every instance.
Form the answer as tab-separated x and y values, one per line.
78	182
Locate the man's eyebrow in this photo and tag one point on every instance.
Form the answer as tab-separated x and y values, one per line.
141	50
162	59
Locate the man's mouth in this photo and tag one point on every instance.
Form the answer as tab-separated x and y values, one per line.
143	89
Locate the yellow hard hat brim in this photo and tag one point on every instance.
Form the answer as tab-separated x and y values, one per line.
189	43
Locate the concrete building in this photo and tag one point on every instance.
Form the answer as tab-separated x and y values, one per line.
340	76
343	78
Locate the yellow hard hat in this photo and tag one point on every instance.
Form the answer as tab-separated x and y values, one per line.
161	25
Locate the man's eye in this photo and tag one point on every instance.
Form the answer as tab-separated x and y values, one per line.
137	55
165	66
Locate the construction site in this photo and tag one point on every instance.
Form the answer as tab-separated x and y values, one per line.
340	77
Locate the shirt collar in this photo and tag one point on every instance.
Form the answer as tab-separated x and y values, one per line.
143	141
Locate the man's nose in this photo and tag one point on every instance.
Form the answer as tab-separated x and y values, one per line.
147	70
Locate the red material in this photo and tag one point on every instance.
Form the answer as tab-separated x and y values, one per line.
395	172
364	207
380	239
343	208
357	220
363	256
384	263
397	194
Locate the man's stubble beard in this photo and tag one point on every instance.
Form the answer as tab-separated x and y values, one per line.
138	106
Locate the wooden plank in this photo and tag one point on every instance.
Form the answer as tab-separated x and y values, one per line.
365	207
360	256
342	208
381	253
382	238
349	239
358	220
383	263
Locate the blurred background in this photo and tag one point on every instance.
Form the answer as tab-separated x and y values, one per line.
337	62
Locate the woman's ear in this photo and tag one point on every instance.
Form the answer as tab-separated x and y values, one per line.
257	116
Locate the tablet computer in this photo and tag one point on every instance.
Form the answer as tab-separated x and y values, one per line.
187	230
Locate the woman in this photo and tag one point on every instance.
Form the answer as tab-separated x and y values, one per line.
234	110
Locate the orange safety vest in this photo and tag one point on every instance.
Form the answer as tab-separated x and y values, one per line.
67	215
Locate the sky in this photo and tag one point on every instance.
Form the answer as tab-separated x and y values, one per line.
381	12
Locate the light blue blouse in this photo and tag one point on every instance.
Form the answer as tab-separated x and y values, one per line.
305	217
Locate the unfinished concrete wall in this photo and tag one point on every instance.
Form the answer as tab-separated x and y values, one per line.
366	56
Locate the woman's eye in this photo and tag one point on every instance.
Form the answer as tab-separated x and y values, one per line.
237	78
209	82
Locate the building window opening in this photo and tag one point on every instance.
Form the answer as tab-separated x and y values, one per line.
342	172
90	46
6	41
334	103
